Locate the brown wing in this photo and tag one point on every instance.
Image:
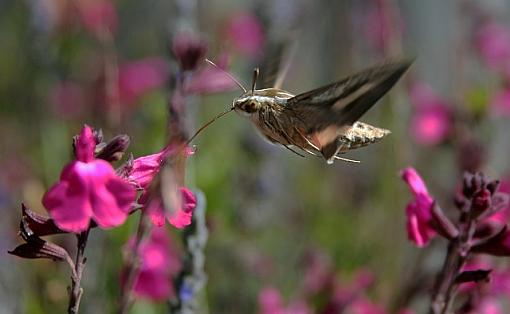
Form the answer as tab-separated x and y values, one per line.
325	111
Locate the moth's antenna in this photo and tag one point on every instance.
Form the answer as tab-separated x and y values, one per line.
207	124
254	82
228	74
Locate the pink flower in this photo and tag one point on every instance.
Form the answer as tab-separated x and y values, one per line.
210	79
493	43
503	215
159	263
139	77
181	217
88	189
98	15
418	211
501	102
431	121
143	169
270	302
245	32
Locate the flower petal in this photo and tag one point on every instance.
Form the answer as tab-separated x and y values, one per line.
414	181
85	145
67	201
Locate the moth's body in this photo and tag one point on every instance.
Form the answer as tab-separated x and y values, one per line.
325	120
271	114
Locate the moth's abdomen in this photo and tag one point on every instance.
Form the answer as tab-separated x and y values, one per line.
358	135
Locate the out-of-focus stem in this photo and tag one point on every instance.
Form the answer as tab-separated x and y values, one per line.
133	264
76	290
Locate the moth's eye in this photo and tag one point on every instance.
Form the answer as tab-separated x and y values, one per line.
249	107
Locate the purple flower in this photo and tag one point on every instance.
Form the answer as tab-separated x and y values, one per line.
159	263
139	77
189	50
419	210
88	189
245	32
431	121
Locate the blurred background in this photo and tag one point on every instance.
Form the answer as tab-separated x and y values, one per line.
283	229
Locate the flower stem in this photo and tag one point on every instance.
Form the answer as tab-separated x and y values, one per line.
458	252
192	278
76	290
126	298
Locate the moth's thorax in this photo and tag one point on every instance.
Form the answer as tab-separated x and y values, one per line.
250	103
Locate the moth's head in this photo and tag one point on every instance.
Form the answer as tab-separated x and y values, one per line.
246	104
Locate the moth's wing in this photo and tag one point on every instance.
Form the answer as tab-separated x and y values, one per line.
271	64
323	112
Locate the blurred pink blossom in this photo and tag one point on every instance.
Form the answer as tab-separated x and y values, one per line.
181	217
189	49
431	122
88	189
493	43
319	274
379	26
245	32
139	77
159	263
501	102
67	99
270	302
418	211
488	306
209	79
98	15
364	306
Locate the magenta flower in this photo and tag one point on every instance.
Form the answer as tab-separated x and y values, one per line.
98	15
88	189
431	121
139	77
159	263
493	44
245	32
418	211
501	102
143	169
270	302
180	218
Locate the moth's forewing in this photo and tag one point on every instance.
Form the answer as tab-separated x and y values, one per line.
325	111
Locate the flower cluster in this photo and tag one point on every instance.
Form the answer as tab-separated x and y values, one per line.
478	229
